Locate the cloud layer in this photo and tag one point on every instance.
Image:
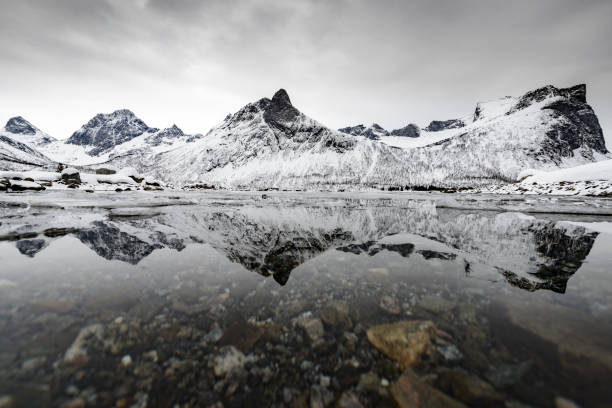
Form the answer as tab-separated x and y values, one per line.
343	62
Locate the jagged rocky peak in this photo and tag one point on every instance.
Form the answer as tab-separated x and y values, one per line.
106	130
280	109
165	136
410	130
438	125
353	130
374	132
576	94
577	125
173	131
19	125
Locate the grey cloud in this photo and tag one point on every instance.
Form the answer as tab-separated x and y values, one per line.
343	62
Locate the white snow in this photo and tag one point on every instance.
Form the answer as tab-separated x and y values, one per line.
33	174
592	171
24	184
70	171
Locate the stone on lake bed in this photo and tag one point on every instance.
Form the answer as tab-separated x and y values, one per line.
404	341
241	334
336	313
348	400
77	352
389	305
410	392
228	359
469	389
313	327
436	304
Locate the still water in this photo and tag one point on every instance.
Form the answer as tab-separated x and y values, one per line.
289	299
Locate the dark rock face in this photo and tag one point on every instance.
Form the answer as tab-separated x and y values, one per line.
280	110
158	138
111	243
577	126
105	131
373	132
410	130
438	125
353	130
577	93
31	247
71	178
19	125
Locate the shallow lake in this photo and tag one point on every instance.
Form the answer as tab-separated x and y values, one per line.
298	299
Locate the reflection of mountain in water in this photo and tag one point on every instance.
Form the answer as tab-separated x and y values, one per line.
111	243
531	254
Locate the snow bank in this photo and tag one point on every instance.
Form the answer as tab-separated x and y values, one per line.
106	178
70	171
33	174
587	172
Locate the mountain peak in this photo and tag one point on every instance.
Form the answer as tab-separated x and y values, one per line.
280	110
19	125
106	130
281	97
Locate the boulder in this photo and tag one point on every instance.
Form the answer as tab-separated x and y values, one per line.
313	327
228	360
410	392
405	341
469	389
71	175
336	313
18	185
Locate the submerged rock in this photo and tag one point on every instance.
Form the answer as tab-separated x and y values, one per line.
348	400
436	304
228	359
410	392
336	313
470	390
313	327
405	342
389	305
71	176
77	352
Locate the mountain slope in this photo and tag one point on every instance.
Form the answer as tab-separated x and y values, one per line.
270	144
105	131
547	128
20	144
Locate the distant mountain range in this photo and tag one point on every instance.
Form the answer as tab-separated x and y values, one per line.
270	144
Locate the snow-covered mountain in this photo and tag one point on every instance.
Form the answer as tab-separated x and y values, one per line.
105	131
271	144
377	132
373	132
20	144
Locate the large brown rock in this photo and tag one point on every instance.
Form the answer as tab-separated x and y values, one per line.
410	392
405	342
471	390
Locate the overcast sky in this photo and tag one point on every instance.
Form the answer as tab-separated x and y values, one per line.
343	62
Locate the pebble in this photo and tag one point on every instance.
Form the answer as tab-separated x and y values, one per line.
228	359
313	327
126	361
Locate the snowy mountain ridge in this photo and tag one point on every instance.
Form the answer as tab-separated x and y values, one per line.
270	144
